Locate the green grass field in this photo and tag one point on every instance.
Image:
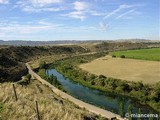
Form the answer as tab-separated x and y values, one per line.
144	54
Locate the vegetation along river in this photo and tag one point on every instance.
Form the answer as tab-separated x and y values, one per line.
114	103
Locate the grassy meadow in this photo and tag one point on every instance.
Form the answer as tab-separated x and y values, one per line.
143	54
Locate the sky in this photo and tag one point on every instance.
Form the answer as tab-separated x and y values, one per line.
47	20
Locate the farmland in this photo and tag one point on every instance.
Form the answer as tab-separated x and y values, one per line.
144	54
125	69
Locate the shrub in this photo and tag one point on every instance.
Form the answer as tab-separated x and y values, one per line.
101	76
122	56
28	76
93	83
43	65
113	56
1	107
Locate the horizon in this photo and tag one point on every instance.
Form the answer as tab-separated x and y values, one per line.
79	20
134	39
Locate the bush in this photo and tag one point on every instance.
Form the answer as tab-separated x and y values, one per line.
1	107
43	65
122	56
113	56
28	76
102	76
93	83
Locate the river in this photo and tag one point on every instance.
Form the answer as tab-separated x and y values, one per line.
105	100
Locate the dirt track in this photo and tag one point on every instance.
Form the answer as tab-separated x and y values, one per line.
125	69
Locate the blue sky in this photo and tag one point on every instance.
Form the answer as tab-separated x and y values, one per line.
79	19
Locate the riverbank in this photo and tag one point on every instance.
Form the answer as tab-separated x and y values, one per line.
87	106
145	94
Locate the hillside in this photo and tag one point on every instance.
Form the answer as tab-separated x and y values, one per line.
118	45
51	106
12	59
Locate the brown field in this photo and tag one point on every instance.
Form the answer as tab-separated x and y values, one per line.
126	69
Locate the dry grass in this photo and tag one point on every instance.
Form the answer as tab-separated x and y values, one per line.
125	69
51	106
47	59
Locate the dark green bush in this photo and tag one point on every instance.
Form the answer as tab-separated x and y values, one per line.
113	56
122	56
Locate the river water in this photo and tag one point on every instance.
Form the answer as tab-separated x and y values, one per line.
104	100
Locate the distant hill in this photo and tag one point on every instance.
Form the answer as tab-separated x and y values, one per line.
42	43
35	43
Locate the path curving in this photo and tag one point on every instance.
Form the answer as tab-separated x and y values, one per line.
107	114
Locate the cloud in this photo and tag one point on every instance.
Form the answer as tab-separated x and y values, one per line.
39	29
39	5
32	9
15	27
96	13
126	13
79	10
121	7
42	3
104	26
4	1
76	15
80	6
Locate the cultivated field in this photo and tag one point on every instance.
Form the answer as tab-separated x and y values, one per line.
144	54
125	69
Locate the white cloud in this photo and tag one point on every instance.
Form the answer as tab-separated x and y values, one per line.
17	28
39	5
4	1
76	14
104	26
80	10
121	7
96	13
23	29
126	13
43	2
32	9
80	6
